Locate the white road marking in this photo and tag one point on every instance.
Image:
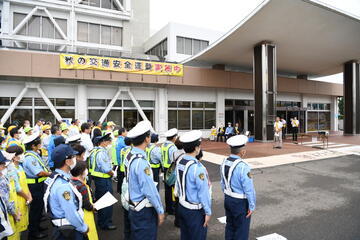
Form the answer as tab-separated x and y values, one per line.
273	236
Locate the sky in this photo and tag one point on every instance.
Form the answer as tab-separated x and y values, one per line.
222	15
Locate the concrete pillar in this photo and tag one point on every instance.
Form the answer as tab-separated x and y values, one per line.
220	107
265	90
161	111
5	22
351	98
81	110
246	119
334	111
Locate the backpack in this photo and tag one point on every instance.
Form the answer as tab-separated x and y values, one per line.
170	174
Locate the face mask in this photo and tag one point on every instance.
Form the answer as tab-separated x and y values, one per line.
73	164
21	158
4	172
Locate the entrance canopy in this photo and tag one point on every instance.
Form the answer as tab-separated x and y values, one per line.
311	38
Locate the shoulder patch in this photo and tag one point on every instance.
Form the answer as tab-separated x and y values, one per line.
249	175
147	171
202	176
66	195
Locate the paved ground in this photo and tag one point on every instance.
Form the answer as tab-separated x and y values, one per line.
312	200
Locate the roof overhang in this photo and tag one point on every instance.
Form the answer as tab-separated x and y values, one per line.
310	37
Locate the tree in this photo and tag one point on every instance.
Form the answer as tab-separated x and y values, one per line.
341	107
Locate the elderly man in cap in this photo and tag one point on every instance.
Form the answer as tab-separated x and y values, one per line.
36	173
153	155
63	202
167	154
145	208
238	188
101	172
193	190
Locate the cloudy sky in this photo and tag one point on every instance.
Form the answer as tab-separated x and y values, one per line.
221	15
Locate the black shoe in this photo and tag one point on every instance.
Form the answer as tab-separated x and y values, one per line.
43	228
38	236
110	228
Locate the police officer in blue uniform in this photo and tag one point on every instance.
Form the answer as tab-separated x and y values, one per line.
62	200
239	191
36	173
153	154
101	171
193	190
145	208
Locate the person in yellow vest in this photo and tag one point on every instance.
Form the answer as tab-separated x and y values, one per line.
110	126
79	173
45	140
278	133
15	135
167	154
96	130
74	128
8	137
153	155
213	133
64	130
36	173
123	154
295	128
2	143
8	206
23	196
101	172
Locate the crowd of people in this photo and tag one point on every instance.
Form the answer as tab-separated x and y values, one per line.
49	172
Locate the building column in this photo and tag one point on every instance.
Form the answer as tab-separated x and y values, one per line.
246	119
265	90
81	110
5	22
351	98
334	111
161	111
220	107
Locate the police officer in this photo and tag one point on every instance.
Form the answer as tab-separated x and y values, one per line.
36	173
238	187
63	202
101	173
192	189
145	208
153	155
120	144
167	153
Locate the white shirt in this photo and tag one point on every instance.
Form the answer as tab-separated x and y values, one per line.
86	142
73	130
278	125
295	123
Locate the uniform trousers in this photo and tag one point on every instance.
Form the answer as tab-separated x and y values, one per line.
295	131
169	204
36	207
143	224
57	235
237	225
127	225
102	186
120	179
191	224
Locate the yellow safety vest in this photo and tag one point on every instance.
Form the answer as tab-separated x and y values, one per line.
24	209
89	219
114	153
148	155
13	198
165	154
213	132
40	179
124	152
92	169
13	141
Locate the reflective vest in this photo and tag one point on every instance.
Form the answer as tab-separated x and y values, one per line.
148	156
123	154
13	141
227	169
165	154
181	172
40	179
93	164
114	153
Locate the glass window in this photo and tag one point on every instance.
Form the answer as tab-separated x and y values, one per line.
180	45
63	25
327	106
183	104
65	102
115	116
197	104
130	118
4	101
196	46
172	104
210	119
315	106
82	31
34	26
47	28
94	33
2	113
188	46
229	103
150	116
172	119
67	113
45	114
312	121
25	102
164	47
106	35
128	103
116	36
204	44
94	3
324	120
309	106
106	4
97	102
321	106
118	103
18	17
146	103
95	114
41	102
197	119
184	119
210	105
21	114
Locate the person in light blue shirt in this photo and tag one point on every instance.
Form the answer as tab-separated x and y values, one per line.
120	144
193	190
62	200
145	209
55	132
239	191
229	131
